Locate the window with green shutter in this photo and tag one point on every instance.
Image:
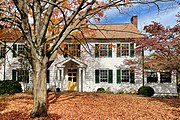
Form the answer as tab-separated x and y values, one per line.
125	49
103	76
131	49
103	50
125	76
118	76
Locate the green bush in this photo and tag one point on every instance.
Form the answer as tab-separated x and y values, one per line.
146	91
101	90
178	90
10	87
120	92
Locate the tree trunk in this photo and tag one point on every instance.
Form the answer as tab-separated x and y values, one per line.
39	90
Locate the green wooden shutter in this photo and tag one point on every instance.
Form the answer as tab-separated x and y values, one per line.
14	50
110	80
66	52
132	76
118	52
109	50
131	49
97	50
27	76
47	76
78	50
2	52
13	74
118	76
96	76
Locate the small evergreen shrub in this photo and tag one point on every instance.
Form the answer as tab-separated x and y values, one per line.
10	87
101	90
120	92
146	91
58	90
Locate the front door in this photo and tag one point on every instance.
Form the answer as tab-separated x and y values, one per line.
72	79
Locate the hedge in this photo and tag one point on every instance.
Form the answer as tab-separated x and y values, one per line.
10	87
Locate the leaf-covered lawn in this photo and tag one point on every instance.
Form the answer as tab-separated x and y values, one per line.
92	106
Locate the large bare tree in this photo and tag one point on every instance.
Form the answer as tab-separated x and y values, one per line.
43	21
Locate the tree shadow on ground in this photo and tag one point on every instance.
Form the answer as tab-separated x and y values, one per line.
54	97
68	95
174	103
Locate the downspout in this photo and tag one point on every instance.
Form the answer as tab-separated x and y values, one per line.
143	64
4	61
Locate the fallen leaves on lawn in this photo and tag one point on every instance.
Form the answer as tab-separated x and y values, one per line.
91	106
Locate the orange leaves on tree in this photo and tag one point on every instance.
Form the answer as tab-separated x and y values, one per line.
65	4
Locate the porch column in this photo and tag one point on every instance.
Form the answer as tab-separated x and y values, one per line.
79	80
62	78
159	77
83	78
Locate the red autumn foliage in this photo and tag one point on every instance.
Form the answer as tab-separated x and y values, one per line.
164	45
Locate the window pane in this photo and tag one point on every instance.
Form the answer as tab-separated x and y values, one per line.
165	77
72	50
125	50
125	75
103	75
23	75
103	50
152	77
20	48
2	52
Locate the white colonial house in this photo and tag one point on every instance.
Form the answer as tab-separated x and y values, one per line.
102	63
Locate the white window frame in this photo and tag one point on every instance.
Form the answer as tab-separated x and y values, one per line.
76	51
100	49
103	78
165	81
152	77
119	50
125	75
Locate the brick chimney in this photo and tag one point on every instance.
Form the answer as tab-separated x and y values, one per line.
134	20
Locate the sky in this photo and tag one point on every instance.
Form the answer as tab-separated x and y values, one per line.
166	14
